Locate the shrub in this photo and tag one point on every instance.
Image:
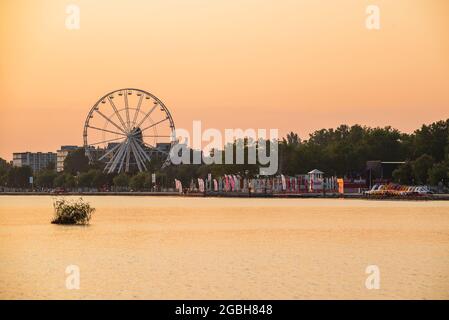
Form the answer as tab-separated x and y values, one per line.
121	181
439	172
72	211
140	181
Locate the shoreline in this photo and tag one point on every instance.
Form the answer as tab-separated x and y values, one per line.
433	197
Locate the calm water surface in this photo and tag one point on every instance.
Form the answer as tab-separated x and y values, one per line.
205	248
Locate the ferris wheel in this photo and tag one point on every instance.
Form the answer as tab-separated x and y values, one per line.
129	130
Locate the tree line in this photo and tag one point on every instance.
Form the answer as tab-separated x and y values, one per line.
341	151
344	151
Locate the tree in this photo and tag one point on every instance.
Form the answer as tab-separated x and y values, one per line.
292	139
432	140
3	179
4	168
403	174
439	173
19	177
59	181
139	181
70	181
99	179
64	180
121	180
85	180
76	161
45	178
421	167
93	178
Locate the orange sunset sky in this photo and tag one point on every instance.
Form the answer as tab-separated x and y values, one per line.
295	65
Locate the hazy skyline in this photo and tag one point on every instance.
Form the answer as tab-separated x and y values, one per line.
294	65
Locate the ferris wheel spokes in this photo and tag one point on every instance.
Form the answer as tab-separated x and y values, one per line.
109	152
139	160
116	157
105	130
109	120
142	151
127	109
137	110
117	113
154	124
147	115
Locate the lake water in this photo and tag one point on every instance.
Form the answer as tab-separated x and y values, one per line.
211	248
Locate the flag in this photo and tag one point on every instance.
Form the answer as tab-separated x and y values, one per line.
215	185
227	186
201	185
283	182
178	185
232	181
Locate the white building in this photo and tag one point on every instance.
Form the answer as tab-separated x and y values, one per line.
36	160
316	181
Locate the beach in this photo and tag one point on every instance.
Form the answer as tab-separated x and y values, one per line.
226	248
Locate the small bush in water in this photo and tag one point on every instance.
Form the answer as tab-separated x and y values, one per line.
72	211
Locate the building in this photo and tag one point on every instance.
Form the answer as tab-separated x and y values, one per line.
36	160
316	181
61	154
160	151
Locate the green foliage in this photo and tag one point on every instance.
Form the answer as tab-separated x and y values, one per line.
93	178
59	181
72	211
76	161
64	180
140	181
421	167
4	166
85	180
341	151
99	179
4	169
439	173
121	180
45	178
432	140
403	174
18	177
70	181
292	139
